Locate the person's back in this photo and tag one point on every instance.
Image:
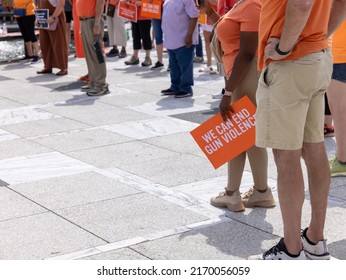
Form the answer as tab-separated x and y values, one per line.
311	39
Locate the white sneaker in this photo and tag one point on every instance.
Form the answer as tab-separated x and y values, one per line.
317	251
278	252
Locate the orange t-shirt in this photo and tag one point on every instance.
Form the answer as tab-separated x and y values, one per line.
312	38
243	18
339	44
86	8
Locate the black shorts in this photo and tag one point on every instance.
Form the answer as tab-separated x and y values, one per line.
68	15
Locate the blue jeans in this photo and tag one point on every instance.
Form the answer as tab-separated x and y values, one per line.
339	72
199	47
181	66
156	24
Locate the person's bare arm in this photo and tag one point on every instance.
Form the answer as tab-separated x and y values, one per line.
242	62
337	16
191	28
297	14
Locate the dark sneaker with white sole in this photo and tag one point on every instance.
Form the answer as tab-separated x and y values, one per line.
168	91
182	94
278	252
98	91
314	251
158	65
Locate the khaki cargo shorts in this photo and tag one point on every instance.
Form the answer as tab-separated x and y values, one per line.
290	101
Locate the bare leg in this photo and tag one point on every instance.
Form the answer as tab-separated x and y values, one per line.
291	196
337	102
317	165
28	46
159	50
235	173
207	39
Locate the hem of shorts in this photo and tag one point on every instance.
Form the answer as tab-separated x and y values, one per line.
277	146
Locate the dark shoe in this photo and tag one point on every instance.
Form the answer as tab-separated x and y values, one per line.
328	131
132	61
198	59
182	94
278	252
168	91
45	71
62	73
122	54
112	53
87	87
35	59
26	57
157	65
98	91
147	62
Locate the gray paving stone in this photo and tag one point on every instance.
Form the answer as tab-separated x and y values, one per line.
130	216
80	140
42	236
232	240
14	205
74	190
121	254
6	103
95	113
178	142
25	94
44	127
175	170
123	97
120	154
20	147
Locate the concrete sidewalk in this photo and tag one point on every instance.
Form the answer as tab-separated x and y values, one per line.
119	176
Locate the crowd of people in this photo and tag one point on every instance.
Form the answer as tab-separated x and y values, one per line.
275	52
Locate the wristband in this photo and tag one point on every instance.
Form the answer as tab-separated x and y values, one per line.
227	93
280	52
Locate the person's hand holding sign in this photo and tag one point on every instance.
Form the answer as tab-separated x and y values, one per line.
225	105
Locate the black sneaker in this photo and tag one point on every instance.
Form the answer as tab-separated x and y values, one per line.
278	252
26	57
157	65
122	54
113	53
168	91
182	94
35	59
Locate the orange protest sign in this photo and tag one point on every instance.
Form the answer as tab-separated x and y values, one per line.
222	141
151	10
127	10
202	19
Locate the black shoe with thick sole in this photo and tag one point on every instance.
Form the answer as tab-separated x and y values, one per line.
182	94
168	91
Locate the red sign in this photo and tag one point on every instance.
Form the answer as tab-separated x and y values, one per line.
128	11
222	141
151	10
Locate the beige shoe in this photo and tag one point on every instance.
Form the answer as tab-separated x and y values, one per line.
254	198
231	202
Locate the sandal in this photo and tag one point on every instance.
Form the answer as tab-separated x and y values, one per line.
44	71
62	73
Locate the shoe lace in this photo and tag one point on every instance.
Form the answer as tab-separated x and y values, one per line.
272	251
248	193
